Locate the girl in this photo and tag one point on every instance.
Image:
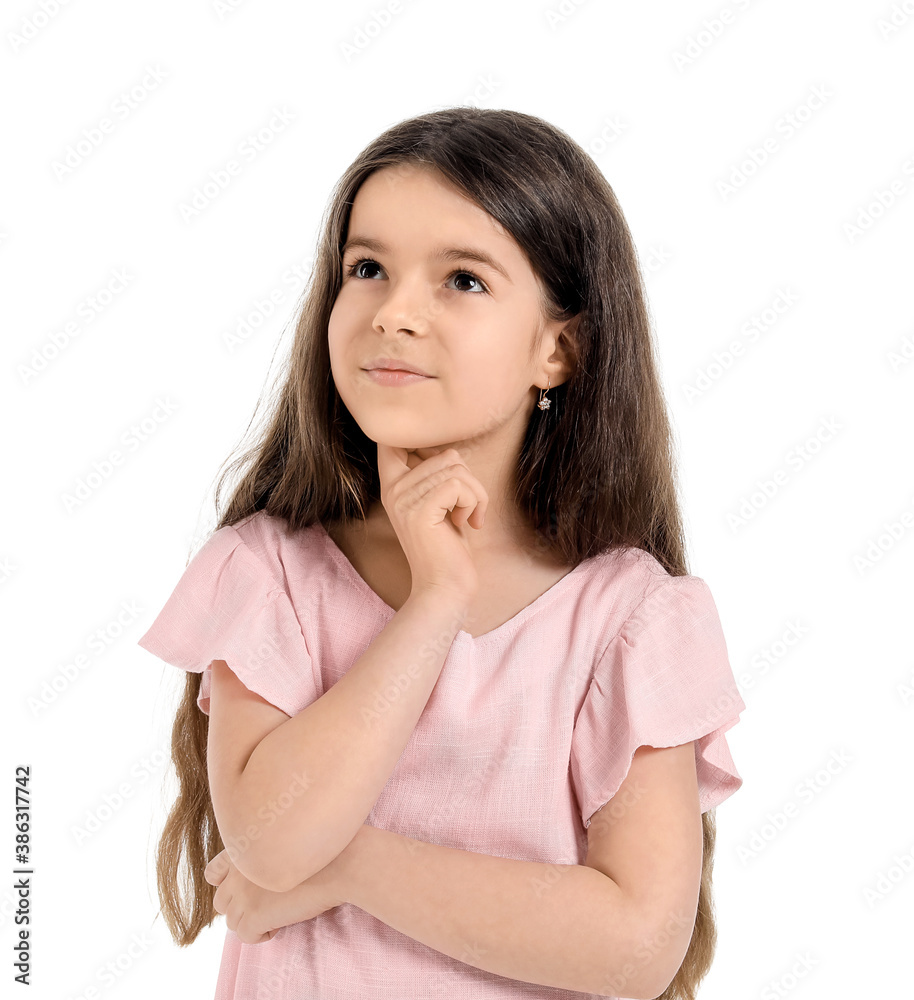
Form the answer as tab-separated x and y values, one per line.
455	710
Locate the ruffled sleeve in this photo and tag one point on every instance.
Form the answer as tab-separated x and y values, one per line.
228	606
663	680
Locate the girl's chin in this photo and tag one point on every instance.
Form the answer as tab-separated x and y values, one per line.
423	452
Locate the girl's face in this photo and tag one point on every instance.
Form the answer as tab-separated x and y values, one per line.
412	291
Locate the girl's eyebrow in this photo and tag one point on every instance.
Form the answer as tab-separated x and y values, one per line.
442	253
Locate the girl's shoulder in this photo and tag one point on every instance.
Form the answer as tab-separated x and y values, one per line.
628	566
272	542
262	528
271	529
625	577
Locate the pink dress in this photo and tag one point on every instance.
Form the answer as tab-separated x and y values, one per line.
529	730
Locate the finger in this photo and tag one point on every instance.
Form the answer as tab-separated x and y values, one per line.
466	490
423	454
217	868
396	461
471	497
392	462
457	497
234	922
434	461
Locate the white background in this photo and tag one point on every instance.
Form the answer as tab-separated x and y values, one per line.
670	99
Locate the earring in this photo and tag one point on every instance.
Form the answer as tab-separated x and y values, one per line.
545	402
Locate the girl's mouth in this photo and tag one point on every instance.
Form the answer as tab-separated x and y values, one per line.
393	376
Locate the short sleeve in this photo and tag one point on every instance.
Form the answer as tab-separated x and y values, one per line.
663	680
228	606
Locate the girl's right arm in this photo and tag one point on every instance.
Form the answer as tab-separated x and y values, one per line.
289	806
311	782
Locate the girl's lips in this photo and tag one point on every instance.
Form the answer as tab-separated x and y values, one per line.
393	376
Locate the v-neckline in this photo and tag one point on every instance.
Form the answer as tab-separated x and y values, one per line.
511	625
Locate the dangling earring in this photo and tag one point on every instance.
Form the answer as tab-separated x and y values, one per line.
545	402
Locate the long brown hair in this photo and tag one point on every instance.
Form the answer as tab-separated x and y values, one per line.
596	471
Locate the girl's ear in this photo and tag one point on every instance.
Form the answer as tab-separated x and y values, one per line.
565	348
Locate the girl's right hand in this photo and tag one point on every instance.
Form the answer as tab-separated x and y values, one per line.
429	503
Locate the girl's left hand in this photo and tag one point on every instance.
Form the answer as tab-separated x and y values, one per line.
255	914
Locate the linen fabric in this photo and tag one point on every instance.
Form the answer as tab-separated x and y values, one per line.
530	728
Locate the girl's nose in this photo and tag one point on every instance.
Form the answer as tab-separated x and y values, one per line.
408	306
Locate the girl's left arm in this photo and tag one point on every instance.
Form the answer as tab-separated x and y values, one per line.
567	926
619	925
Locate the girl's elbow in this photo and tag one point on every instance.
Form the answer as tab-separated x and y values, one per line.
279	870
253	863
253	854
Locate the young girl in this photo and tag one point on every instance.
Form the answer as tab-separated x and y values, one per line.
455	710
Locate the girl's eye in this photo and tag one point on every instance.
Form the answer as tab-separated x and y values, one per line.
354	270
351	270
469	274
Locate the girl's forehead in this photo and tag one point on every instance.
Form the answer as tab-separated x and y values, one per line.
409	204
409	183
